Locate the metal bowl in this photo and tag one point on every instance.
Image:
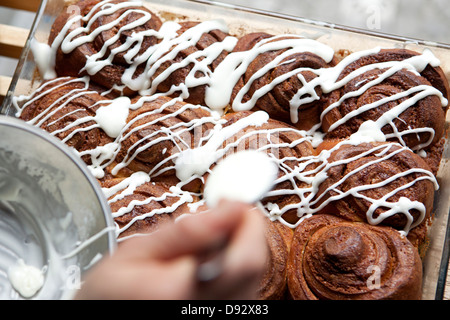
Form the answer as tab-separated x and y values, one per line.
53	215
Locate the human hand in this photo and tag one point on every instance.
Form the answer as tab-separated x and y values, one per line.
164	265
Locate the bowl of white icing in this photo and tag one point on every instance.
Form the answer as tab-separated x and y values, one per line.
55	222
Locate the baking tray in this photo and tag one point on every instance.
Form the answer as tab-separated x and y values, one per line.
242	20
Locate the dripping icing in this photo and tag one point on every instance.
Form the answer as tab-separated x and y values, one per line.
191	163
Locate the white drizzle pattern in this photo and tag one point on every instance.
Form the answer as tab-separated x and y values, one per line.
194	163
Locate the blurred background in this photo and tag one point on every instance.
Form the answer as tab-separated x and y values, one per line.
419	19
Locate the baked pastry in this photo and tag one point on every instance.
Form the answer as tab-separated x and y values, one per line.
333	259
140	206
378	183
426	65
105	41
158	129
283	143
67	108
385	87
273	285
276	76
153	103
114	43
185	70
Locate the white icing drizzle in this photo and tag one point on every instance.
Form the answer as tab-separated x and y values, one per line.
191	163
127	187
26	279
235	64
221	81
112	118
199	160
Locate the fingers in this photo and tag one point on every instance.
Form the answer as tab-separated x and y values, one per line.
167	280
248	242
243	262
165	264
192	235
121	279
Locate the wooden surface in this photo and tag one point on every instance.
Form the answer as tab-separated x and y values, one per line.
12	40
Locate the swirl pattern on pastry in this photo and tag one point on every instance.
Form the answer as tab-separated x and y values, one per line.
67	108
430	71
248	130
184	71
273	285
140	206
275	79
125	47
379	183
384	88
103	39
332	258
289	149
158	129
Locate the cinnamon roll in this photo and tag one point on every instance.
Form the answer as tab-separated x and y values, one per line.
185	68
273	285
141	206
159	128
386	88
376	183
334	259
433	155
276	78
67	108
428	67
248	130
106	40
